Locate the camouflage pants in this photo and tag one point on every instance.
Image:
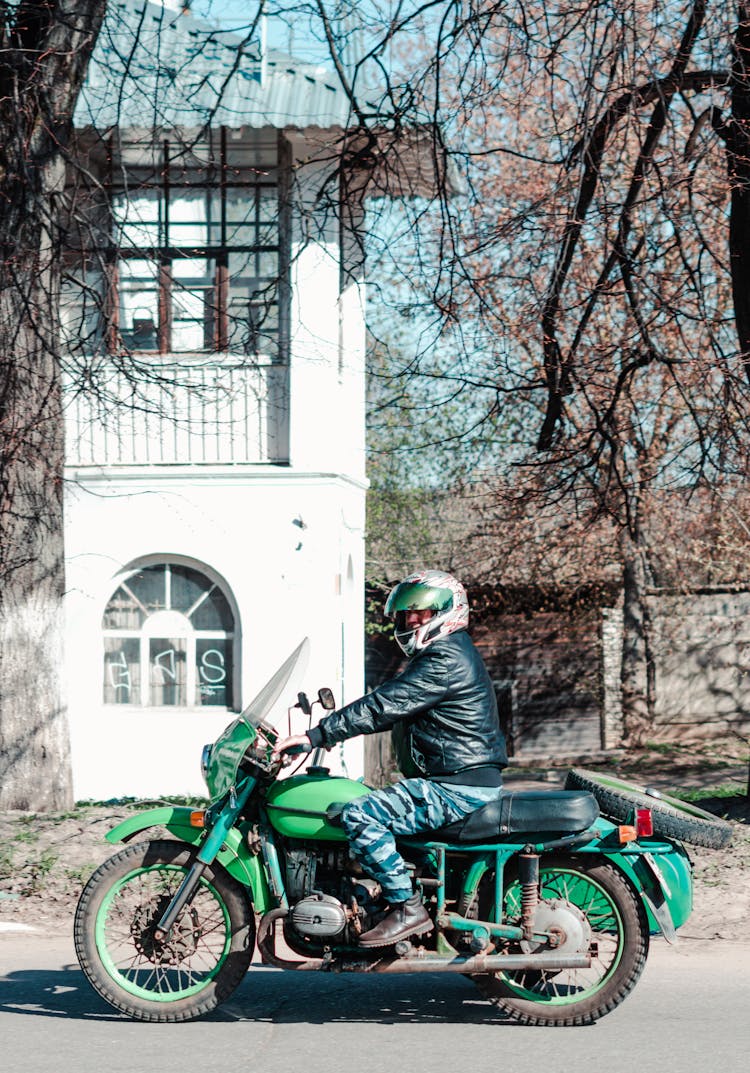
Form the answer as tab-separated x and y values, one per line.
372	824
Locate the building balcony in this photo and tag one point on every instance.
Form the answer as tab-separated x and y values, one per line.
195	411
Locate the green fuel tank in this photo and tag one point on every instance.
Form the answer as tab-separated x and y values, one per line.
297	806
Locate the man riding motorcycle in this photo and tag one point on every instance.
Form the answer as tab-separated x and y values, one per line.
442	712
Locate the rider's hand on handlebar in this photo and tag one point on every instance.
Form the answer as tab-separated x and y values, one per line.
298	743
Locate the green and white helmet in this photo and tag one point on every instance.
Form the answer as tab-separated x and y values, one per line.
427	590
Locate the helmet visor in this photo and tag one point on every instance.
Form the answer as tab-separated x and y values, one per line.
414	596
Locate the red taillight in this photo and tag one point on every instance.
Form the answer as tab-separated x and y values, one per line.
644	822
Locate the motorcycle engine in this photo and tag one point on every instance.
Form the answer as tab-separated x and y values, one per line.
328	900
321	916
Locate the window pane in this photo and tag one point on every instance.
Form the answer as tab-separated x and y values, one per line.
268	205
139	304
193	590
187	587
253	313
255	161
187	220
214	613
241	218
167	671
241	233
123	612
122	670
192	318
138	220
268	265
192	270
213	672
82	303
148	586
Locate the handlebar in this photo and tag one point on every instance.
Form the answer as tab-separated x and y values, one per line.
297	750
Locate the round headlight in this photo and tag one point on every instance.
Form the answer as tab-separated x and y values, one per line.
205	759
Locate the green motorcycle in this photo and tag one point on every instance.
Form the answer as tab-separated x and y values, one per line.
542	901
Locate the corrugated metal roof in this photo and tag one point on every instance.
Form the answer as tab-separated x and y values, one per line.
158	68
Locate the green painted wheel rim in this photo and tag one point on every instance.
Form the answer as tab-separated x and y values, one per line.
608	930
195	954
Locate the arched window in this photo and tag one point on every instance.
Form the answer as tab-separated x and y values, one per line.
168	640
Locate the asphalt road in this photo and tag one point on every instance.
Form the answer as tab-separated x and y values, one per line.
690	1013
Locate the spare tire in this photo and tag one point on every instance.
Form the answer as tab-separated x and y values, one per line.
672	818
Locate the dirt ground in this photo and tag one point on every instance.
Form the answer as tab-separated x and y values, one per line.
46	859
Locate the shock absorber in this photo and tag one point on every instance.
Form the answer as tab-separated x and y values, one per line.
528	877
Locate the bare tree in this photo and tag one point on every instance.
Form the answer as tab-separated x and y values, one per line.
585	283
44	53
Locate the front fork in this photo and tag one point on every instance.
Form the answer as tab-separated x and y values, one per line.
207	854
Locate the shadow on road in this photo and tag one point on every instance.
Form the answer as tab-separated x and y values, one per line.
274	997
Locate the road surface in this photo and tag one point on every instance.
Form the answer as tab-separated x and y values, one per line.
690	1013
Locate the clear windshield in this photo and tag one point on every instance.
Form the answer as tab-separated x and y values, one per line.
261	705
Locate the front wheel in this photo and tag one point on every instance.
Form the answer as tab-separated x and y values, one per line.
202	961
595	910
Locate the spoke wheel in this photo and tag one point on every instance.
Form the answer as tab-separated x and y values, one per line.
601	914
183	977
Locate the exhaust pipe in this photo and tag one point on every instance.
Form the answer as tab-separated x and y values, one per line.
480	963
477	963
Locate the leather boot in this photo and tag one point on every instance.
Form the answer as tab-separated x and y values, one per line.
405	919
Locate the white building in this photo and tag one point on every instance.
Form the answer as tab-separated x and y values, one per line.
217	517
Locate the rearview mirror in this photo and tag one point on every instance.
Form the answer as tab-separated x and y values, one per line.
303	703
327	699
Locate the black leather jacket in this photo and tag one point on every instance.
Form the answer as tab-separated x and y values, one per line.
442	709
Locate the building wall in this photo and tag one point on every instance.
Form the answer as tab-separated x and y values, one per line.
702	656
286	581
286	540
558	672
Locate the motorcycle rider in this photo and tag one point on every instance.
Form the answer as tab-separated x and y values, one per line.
442	712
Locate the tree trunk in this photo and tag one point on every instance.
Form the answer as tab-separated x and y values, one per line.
637	657
380	761
738	169
34	740
44	54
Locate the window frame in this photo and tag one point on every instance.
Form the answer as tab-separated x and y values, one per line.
173	625
218	180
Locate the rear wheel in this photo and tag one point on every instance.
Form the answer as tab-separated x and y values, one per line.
202	961
594	910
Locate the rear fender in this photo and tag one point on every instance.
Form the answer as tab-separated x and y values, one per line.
659	871
664	881
234	854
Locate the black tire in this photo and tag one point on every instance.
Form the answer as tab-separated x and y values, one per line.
672	818
206	956
619	930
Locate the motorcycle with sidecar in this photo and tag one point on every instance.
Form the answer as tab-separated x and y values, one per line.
545	899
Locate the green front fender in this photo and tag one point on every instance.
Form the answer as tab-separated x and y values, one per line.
234	854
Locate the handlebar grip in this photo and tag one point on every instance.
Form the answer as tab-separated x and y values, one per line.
296	750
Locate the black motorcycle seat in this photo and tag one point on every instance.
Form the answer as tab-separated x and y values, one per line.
564	812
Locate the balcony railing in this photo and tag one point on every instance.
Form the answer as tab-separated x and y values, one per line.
191	412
